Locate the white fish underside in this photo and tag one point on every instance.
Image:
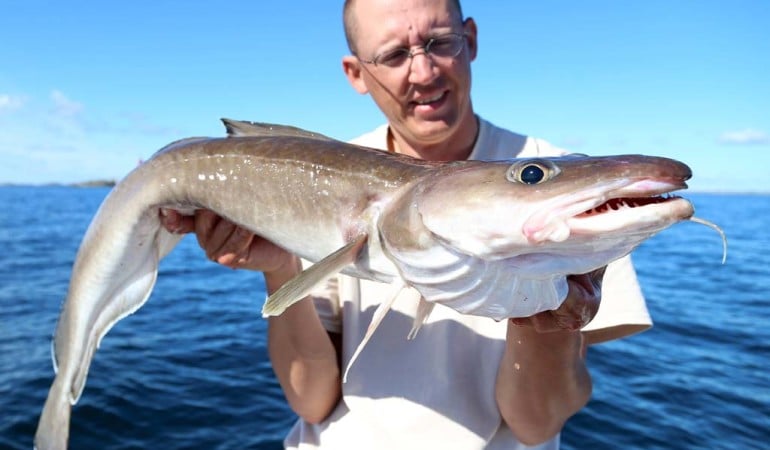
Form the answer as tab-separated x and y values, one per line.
365	213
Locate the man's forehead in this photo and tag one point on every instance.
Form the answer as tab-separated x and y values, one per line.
379	20
373	9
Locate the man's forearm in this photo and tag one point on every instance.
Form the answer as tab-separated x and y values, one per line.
542	381
302	354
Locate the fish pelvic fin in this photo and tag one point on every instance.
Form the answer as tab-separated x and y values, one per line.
379	314
300	286
54	424
424	308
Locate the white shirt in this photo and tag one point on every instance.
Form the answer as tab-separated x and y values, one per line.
437	390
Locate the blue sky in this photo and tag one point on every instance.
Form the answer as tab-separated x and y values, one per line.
89	88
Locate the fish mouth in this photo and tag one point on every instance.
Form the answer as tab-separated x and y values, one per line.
638	213
616	204
620	208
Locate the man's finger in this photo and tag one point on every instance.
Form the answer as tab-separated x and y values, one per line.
212	233
175	222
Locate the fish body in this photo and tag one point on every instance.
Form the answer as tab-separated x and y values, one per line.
495	239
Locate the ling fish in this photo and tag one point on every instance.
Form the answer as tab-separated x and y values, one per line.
489	238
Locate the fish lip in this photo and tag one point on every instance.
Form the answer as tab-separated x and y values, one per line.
648	187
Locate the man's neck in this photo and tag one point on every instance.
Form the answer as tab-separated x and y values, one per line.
457	148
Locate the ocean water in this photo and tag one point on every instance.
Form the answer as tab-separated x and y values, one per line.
190	369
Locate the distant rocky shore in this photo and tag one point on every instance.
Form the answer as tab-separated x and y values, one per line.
95	183
85	184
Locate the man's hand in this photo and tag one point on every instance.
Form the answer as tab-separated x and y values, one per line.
227	243
579	308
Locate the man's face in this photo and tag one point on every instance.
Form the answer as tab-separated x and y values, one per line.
428	97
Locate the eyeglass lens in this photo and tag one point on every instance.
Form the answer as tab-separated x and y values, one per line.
446	46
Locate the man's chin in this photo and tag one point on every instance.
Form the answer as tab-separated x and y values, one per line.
431	131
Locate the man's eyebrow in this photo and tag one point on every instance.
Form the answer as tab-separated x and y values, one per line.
430	34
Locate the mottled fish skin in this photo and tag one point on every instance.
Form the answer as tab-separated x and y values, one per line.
469	234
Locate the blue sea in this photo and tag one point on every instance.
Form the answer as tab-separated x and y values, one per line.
190	369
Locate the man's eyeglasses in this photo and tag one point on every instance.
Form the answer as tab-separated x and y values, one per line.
445	46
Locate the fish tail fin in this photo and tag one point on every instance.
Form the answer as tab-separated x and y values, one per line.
54	424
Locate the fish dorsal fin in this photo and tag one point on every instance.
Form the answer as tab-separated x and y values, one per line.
300	286
241	128
379	314
424	308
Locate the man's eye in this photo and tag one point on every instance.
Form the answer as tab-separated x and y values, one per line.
442	44
393	57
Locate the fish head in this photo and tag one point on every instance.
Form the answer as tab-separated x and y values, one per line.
576	207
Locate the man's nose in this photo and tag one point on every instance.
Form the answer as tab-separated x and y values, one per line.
421	67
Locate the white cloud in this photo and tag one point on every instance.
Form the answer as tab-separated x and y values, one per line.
63	106
10	102
747	136
59	139
66	117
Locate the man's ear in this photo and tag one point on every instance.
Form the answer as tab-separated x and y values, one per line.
353	70
469	28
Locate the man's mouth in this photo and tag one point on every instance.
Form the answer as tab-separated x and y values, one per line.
426	101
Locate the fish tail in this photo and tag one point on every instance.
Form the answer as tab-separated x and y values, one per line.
54	424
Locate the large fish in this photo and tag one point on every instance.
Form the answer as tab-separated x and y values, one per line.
494	239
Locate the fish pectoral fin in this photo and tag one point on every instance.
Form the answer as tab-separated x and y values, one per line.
424	308
379	314
300	286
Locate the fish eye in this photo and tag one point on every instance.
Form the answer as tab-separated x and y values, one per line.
532	171
532	174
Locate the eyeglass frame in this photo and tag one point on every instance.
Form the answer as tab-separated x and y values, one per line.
423	49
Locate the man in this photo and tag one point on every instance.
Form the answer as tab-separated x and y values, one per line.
465	382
